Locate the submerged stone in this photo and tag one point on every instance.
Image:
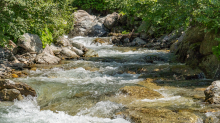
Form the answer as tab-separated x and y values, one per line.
152	115
140	92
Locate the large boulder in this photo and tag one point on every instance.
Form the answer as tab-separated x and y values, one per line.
47	57
30	42
212	93
210	66
87	25
111	20
208	42
22	87
192	35
10	95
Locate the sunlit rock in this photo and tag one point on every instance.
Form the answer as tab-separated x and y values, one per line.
91	53
31	43
56	50
78	46
161	115
67	53
87	25
77	51
22	87
140	92
10	94
111	20
62	41
212	93
47	57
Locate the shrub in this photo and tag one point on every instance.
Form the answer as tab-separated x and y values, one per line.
33	16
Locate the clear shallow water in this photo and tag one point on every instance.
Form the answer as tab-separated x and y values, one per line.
87	91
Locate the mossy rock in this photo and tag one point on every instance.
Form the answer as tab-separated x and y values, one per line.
140	92
151	115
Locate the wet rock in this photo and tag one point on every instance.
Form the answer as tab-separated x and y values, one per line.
140	92
22	87
102	40
212	93
62	41
47	57
30	42
149	83
67	53
111	20
153	58
137	42
10	95
14	76
87	25
161	115
91	53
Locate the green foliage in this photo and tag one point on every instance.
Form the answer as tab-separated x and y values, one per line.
99	5
32	16
216	49
167	15
46	36
125	32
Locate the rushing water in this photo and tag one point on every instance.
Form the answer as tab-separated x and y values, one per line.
87	91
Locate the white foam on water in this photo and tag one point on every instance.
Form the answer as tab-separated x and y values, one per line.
214	115
82	76
27	111
87	41
109	50
167	96
162	99
103	108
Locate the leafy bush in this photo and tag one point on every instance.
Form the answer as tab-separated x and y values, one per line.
125	32
46	36
32	16
167	15
99	5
